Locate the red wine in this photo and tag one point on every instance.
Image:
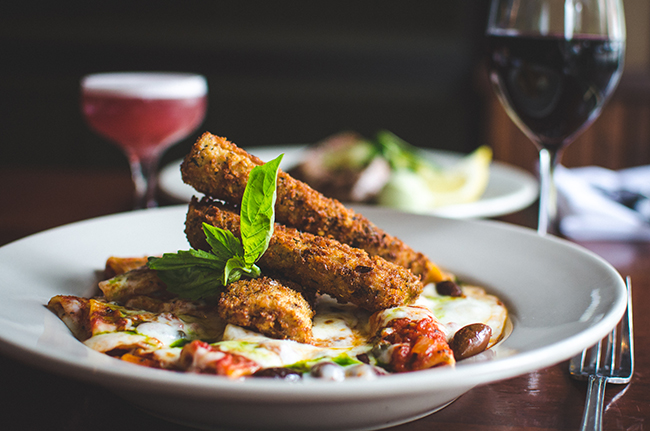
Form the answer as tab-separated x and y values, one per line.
553	87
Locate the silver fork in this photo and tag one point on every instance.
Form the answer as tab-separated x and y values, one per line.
609	361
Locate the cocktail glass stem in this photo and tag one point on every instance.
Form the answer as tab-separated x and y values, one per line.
144	174
547	219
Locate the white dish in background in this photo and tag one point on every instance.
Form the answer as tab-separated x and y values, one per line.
561	297
510	188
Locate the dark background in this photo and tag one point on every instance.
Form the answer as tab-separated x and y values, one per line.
278	71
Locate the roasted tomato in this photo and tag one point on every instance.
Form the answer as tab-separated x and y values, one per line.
410	338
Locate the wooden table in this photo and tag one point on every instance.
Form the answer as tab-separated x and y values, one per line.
36	199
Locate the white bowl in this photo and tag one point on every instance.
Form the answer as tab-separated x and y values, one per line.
561	298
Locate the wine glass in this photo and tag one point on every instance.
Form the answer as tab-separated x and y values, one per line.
553	65
144	113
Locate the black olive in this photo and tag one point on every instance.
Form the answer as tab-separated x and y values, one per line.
470	340
448	288
363	357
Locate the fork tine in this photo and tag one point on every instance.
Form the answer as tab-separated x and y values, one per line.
628	329
625	368
609	358
599	351
577	364
588	361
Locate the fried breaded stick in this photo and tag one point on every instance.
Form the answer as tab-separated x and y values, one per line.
318	264
269	307
218	168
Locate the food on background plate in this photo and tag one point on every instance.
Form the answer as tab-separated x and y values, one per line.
257	298
388	171
344	166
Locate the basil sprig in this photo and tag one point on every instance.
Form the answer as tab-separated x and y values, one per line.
196	274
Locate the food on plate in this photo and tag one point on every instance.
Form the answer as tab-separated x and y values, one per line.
346	341
129	283
110	327
410	338
220	169
116	265
470	339
255	298
272	307
389	171
316	263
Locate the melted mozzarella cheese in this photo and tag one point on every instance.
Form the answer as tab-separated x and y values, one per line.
268	352
338	325
107	341
164	328
410	312
169	356
271	352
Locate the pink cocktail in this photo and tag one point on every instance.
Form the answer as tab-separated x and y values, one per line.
144	113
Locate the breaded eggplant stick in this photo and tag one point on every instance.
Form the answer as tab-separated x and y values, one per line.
270	307
316	263
218	168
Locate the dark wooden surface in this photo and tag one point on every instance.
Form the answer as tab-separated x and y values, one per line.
34	200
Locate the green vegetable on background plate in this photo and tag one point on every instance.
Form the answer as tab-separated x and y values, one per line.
391	172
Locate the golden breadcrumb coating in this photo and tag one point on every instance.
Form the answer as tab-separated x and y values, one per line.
218	168
269	307
318	264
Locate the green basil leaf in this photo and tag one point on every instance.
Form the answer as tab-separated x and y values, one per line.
193	283
257	210
224	244
236	267
186	259
191	274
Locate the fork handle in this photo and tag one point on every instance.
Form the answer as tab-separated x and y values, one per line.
592	418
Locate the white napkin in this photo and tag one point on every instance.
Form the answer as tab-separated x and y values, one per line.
590	205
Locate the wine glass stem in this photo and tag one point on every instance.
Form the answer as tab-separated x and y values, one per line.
144	174
548	160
